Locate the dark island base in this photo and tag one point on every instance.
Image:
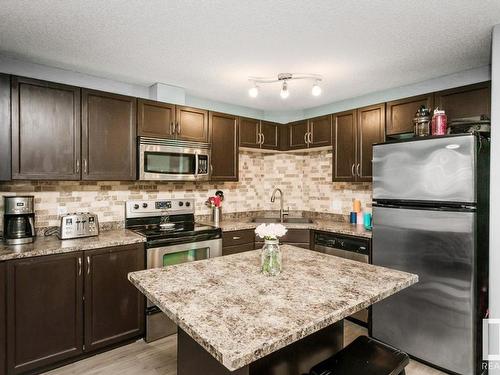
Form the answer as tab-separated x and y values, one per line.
294	359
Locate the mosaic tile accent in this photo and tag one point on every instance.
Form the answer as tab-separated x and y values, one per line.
305	179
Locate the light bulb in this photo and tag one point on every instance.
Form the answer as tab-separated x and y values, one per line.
316	90
284	93
253	92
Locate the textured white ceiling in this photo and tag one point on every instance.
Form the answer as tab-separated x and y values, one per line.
211	47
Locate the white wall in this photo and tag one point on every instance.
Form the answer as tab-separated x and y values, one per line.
494	290
177	95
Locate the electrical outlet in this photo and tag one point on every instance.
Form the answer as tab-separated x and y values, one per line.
62	210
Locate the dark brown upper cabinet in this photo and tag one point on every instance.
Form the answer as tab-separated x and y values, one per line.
371	125
44	311
344	146
191	124
3	317
114	308
45	130
5	129
320	131
224	139
400	113
270	136
249	132
108	136
155	119
466	101
298	133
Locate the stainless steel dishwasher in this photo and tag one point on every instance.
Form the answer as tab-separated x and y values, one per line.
353	248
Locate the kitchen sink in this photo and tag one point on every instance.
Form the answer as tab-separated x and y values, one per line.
289	220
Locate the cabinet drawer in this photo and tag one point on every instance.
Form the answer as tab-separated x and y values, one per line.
237	248
237	237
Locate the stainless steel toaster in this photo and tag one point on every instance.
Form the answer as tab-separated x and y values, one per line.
77	225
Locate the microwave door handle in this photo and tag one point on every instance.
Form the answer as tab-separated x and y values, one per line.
196	165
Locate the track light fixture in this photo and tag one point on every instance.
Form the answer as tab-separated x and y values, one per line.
285	77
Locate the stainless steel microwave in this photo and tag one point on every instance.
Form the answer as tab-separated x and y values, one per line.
173	160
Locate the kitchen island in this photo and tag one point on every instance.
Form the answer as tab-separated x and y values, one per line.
234	320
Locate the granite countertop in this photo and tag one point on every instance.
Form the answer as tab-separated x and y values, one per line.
340	227
53	245
239	315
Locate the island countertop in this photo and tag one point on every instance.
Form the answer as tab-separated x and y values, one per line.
239	315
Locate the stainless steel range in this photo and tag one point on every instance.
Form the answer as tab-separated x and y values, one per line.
172	237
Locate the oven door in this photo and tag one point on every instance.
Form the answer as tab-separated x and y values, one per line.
158	325
173	160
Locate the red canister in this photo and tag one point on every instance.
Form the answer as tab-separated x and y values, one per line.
439	122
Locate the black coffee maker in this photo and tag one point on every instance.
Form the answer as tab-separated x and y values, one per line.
18	220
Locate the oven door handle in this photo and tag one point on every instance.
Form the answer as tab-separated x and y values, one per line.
176	241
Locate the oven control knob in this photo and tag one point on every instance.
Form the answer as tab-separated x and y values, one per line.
144	205
188	204
136	206
181	204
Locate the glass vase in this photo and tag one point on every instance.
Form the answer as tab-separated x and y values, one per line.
271	258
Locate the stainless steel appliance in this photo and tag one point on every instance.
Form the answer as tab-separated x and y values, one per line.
430	217
19	220
78	225
347	247
172	237
173	160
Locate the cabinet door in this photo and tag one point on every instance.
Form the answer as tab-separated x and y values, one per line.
155	119
298	133
400	113
44	311
109	136
371	124
344	146
269	133
3	323
45	130
467	101
249	132
191	124
321	131
5	129
114	308
224	138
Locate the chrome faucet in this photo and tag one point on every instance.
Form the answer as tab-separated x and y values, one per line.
283	212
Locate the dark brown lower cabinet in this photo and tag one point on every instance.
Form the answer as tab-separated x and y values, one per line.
44	311
114	308
294	237
63	306
225	151
3	338
237	241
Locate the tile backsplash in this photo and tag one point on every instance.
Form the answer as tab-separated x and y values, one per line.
305	179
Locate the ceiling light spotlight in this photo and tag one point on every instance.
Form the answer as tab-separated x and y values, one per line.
284	93
253	92
316	89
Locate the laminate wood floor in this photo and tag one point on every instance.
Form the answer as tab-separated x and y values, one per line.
160	357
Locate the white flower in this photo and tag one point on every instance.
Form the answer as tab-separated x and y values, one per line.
270	231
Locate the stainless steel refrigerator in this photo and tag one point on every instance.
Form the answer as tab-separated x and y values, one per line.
430	217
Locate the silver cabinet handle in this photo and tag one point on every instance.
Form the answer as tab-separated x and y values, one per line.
305	138
259	138
80	266
172	128
78	166
178	128
88	264
263	138
352	170
358	167
310	137
236	237
85	169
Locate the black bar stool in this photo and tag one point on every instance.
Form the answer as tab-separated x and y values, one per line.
364	356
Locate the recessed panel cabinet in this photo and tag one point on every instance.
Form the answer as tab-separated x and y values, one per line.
371	124
5	129
315	132
155	119
109	136
467	101
344	146
45	312
259	134
63	306
45	130
3	326
224	139
191	124
400	113
298	132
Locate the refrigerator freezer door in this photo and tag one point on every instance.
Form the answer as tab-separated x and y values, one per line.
438	169
432	320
